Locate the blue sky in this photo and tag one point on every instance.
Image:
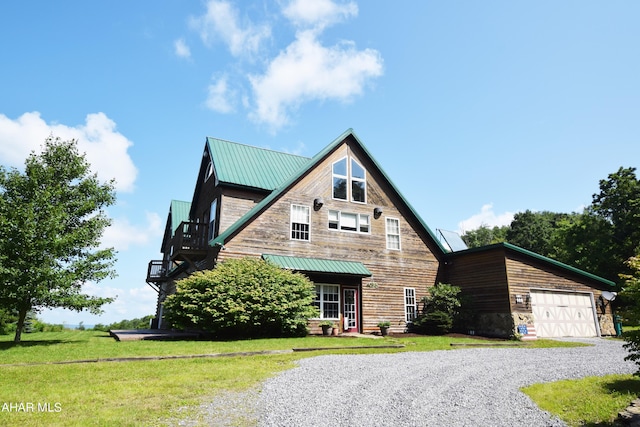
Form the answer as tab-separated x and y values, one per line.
476	110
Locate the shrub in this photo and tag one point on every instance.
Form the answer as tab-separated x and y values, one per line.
439	310
243	298
631	292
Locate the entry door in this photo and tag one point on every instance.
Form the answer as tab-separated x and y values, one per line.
350	310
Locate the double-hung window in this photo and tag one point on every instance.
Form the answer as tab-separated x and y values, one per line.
409	304
299	222
328	301
393	233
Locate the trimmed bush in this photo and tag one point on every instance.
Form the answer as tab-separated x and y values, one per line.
439	310
243	298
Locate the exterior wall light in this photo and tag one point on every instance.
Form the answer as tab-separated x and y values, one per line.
317	203
377	211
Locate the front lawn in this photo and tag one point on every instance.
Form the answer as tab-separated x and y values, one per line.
37	392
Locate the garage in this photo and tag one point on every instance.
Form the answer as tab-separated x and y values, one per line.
563	314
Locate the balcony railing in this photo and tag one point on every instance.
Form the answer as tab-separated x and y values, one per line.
191	236
157	271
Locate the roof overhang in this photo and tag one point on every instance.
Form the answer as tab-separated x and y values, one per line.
318	265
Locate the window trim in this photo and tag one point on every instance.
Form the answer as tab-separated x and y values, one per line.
321	301
406	305
358	222
292	222
352	179
387	233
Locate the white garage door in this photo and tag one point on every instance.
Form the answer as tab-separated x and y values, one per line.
563	314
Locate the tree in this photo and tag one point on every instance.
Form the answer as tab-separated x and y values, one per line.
631	293
484	235
51	222
535	231
607	233
243	298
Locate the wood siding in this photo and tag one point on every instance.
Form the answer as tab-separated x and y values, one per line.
382	295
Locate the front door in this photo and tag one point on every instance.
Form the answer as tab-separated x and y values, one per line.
350	310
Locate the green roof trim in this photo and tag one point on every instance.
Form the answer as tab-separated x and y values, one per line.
317	265
539	257
248	166
179	212
221	239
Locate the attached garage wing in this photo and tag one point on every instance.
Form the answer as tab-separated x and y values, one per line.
564	314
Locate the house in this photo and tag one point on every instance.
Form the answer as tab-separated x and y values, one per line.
340	220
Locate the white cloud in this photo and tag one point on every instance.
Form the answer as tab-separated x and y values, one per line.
486	217
318	14
220	97
105	148
221	22
308	71
121	234
181	49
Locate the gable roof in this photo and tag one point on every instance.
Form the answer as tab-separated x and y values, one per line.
538	257
247	166
178	212
246	219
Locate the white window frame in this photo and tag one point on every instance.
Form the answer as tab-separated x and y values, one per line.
320	302
208	172
389	233
354	179
213	213
359	222
294	216
345	177
410	302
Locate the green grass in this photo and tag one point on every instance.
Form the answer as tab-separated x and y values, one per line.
146	392
591	401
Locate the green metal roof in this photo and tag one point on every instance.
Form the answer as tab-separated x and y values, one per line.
317	265
539	257
179	212
245	219
244	165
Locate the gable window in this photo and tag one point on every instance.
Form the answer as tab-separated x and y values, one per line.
328	301
345	221
209	171
393	233
299	222
212	219
358	183
349	177
409	304
340	179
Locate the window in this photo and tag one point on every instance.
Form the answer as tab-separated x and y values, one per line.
328	301
212	219
409	304
358	183
354	178
209	171
299	222
340	179
348	221
393	233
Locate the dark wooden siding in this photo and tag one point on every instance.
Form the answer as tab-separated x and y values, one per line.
383	294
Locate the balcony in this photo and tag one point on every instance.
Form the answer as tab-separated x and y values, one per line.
190	242
157	271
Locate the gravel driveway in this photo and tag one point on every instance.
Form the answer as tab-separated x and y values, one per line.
469	387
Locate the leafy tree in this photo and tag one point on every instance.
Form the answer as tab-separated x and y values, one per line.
137	323
484	235
631	293
535	230
51	221
243	298
439	310
607	233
